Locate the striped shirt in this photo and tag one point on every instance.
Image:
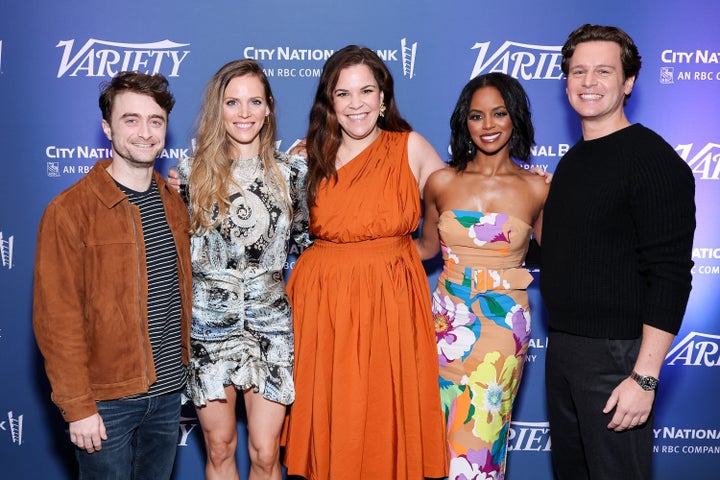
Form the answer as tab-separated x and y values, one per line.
163	292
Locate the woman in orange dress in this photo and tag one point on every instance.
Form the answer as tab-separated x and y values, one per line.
367	403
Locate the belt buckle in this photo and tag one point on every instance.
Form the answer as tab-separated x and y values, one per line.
480	279
487	279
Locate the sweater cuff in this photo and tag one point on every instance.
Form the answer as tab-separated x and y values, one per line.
665	319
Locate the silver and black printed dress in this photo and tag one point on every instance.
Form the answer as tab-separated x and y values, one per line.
242	328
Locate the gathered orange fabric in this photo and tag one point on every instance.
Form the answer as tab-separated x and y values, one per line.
367	399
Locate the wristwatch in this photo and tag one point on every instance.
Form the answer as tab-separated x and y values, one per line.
645	381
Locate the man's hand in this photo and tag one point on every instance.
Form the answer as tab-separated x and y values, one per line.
300	148
88	433
543	173
173	179
632	405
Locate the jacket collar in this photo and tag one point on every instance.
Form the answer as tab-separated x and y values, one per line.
103	185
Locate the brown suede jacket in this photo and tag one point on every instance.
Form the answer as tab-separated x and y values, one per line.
90	292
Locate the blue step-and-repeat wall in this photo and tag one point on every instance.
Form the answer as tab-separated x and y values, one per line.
53	56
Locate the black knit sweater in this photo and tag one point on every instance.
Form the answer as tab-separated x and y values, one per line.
617	237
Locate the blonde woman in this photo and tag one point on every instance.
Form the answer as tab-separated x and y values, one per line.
246	200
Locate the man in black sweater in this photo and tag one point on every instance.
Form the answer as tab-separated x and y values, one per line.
616	257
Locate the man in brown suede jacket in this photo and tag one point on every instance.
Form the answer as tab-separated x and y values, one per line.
112	293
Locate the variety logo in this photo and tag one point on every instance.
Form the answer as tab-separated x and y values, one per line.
100	58
529	437
696	65
187	425
521	60
406	54
696	350
13	425
6	250
705	162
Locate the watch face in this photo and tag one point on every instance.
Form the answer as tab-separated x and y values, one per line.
646	382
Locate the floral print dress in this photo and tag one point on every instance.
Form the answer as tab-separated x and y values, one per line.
482	325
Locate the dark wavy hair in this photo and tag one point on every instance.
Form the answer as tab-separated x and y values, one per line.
629	55
518	106
324	135
156	86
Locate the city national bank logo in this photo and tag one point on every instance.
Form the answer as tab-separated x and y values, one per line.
99	58
667	75
689	441
409	51
695	65
705	259
696	350
6	250
406	55
14	426
80	158
706	162
520	60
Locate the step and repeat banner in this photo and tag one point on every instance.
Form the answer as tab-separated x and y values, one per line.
54	55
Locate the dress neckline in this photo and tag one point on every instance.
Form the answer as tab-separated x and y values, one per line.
456	211
361	152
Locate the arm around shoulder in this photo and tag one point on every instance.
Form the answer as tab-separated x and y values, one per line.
423	159
428	244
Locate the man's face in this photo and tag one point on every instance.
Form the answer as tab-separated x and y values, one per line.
595	86
136	129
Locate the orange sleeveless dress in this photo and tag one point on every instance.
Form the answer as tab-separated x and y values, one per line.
367	404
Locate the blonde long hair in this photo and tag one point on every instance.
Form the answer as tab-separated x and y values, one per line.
211	169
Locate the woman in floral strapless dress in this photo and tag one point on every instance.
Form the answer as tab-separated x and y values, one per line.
481	212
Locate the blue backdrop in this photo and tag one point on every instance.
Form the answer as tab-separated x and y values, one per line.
53	55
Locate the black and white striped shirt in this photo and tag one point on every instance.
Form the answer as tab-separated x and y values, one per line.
163	291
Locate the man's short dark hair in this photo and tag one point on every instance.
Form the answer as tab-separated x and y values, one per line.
155	86
629	55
